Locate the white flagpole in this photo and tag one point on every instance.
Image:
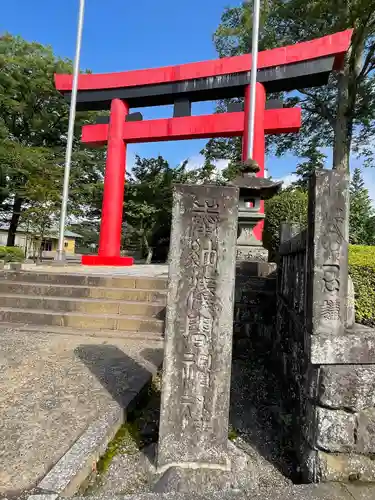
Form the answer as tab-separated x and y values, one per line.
253	75
69	143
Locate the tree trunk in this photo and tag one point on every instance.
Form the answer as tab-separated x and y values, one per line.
149	255
348	80
16	213
341	147
149	250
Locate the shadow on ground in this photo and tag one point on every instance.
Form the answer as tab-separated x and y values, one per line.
255	401
257	409
125	379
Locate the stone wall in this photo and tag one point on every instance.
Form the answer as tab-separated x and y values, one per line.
327	363
254	307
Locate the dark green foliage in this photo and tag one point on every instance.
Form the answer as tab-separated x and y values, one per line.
362	213
340	115
288	206
148	203
314	161
12	254
33	129
362	271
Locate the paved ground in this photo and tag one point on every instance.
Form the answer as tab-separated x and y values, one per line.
300	492
53	386
151	270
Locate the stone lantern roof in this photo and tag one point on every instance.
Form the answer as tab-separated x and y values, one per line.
249	184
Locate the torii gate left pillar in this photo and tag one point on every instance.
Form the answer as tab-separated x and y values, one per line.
113	195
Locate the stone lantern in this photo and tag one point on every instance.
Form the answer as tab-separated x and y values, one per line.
252	190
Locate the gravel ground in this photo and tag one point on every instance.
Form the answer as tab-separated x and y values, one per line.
126	467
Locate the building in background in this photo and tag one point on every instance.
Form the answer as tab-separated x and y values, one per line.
33	245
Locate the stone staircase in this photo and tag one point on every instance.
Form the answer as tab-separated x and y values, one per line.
125	305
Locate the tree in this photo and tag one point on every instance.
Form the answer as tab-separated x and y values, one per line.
148	201
362	213
340	115
314	161
33	127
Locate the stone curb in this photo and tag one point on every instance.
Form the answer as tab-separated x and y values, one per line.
67	475
80	460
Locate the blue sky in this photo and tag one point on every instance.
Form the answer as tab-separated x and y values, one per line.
123	35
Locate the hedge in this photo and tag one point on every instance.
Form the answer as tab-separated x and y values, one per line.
12	254
362	271
288	206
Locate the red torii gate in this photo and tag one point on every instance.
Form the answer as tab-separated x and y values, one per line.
301	65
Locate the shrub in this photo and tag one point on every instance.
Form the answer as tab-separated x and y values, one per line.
288	206
12	254
362	271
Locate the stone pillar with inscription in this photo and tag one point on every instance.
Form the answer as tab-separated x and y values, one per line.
199	328
327	256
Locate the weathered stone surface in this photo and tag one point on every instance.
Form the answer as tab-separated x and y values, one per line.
329	430
361	491
251	254
241	477
344	467
347	386
327	257
350	304
355	346
15	266
335	430
288	231
366	431
295	492
2	264
197	359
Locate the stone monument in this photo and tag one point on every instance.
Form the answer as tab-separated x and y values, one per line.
253	191
199	327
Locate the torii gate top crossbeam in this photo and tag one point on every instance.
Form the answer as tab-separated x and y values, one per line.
296	66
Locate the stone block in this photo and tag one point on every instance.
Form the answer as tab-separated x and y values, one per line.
241	476
366	431
15	266
327	252
349	387
256	269
251	253
329	430
2	264
355	346
344	467
199	325
350	304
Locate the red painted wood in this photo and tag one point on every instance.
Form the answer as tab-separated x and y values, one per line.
103	260
259	147
114	180
336	44
276	121
259	152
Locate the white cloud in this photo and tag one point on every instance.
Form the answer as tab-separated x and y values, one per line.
368	175
288	179
196	162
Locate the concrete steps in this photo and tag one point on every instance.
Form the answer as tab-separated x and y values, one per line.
83	305
125	304
82	291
